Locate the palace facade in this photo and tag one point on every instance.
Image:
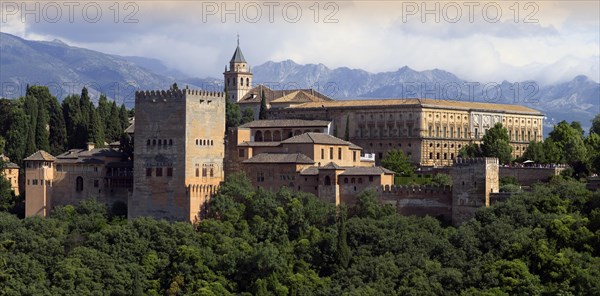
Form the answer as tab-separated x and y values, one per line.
429	131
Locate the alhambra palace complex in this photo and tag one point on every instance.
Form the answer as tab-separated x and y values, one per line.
182	151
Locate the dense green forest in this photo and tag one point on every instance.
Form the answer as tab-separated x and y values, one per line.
256	242
38	122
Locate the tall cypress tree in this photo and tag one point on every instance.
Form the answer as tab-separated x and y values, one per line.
15	126
72	116
343	251
124	117
113	130
104	112
31	110
263	106
95	130
58	130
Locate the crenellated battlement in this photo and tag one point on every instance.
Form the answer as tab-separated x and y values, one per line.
413	189
176	94
475	160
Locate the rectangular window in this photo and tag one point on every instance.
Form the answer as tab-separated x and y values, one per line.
159	172
340	153
465	133
322	153
353	155
212	172
241	153
148	172
476	133
370	178
96	183
445	135
204	173
169	172
330	152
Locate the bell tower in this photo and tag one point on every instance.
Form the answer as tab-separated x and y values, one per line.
238	79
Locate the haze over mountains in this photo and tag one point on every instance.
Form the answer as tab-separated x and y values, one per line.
65	69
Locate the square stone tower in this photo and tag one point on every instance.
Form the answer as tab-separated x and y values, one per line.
179	150
473	179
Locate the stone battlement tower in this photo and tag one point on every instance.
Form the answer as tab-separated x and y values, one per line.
473	180
179	149
238	79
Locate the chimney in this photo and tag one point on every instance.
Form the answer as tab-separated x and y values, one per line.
90	146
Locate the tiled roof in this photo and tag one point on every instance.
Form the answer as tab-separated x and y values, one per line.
299	96
40	156
89	160
259	144
298	158
362	171
96	152
11	165
310	171
285	123
331	166
317	138
431	103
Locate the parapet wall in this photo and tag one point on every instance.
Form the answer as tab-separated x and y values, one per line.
459	161
435	201
528	176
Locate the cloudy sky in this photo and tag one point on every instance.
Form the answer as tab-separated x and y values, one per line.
478	41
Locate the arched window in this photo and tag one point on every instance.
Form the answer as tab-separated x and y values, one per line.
241	81
148	142
159	142
153	142
258	136
327	180
228	82
79	184
276	136
345	180
212	143
170	142
247	82
268	137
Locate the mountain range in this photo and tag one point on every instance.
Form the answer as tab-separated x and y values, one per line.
65	69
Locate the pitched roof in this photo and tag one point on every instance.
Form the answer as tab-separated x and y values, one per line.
259	144
238	57
317	138
425	103
286	96
297	158
84	156
96	152
11	165
331	166
41	155
285	123
368	171
310	171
